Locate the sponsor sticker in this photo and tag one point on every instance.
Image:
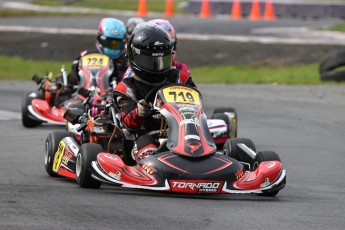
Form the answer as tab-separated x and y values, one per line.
196	186
271	164
58	156
266	183
110	156
116	176
194	137
148	168
239	174
73	147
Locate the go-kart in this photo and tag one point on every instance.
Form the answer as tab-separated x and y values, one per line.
53	98
187	160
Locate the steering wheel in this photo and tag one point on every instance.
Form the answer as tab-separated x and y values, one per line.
150	96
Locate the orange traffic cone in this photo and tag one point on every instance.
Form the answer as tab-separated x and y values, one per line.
236	11
142	8
169	8
255	11
205	9
269	14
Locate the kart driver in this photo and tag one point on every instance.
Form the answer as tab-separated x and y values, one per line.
111	40
131	24
150	70
168	27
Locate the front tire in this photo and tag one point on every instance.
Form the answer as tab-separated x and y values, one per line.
51	146
267	156
231	149
27	121
87	153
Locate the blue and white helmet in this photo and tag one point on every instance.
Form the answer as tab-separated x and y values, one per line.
111	37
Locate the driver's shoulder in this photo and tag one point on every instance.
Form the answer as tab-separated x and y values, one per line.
125	87
178	76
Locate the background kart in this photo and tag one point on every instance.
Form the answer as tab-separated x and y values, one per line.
50	101
187	162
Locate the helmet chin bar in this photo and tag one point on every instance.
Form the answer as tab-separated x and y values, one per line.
139	71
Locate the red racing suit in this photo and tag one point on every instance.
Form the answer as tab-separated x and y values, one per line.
180	66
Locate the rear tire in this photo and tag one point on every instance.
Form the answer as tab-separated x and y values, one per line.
27	121
232	150
267	156
224	110
51	146
328	66
87	153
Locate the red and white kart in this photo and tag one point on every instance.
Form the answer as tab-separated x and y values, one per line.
187	160
38	107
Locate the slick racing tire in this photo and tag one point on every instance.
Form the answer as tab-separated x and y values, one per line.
87	153
51	146
232	150
229	115
27	121
267	156
328	66
224	110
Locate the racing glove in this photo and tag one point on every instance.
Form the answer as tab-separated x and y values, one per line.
143	108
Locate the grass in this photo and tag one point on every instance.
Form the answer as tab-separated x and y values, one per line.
246	74
131	5
24	13
340	27
303	74
17	68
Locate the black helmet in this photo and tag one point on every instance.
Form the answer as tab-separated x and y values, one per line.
149	53
131	24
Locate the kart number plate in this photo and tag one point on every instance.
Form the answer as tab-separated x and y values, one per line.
94	60
58	156
180	94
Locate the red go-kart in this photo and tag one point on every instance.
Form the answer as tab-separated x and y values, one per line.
187	160
50	102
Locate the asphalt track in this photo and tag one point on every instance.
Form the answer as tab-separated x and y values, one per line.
304	124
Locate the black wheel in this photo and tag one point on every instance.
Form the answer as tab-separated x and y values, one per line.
87	153
51	146
224	110
333	60
328	66
335	75
26	119
267	156
231	149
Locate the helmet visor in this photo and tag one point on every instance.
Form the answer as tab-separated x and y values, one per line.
159	61
111	43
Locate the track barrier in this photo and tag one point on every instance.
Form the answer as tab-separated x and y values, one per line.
255	13
205	9
142	8
236	11
269	14
169	8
